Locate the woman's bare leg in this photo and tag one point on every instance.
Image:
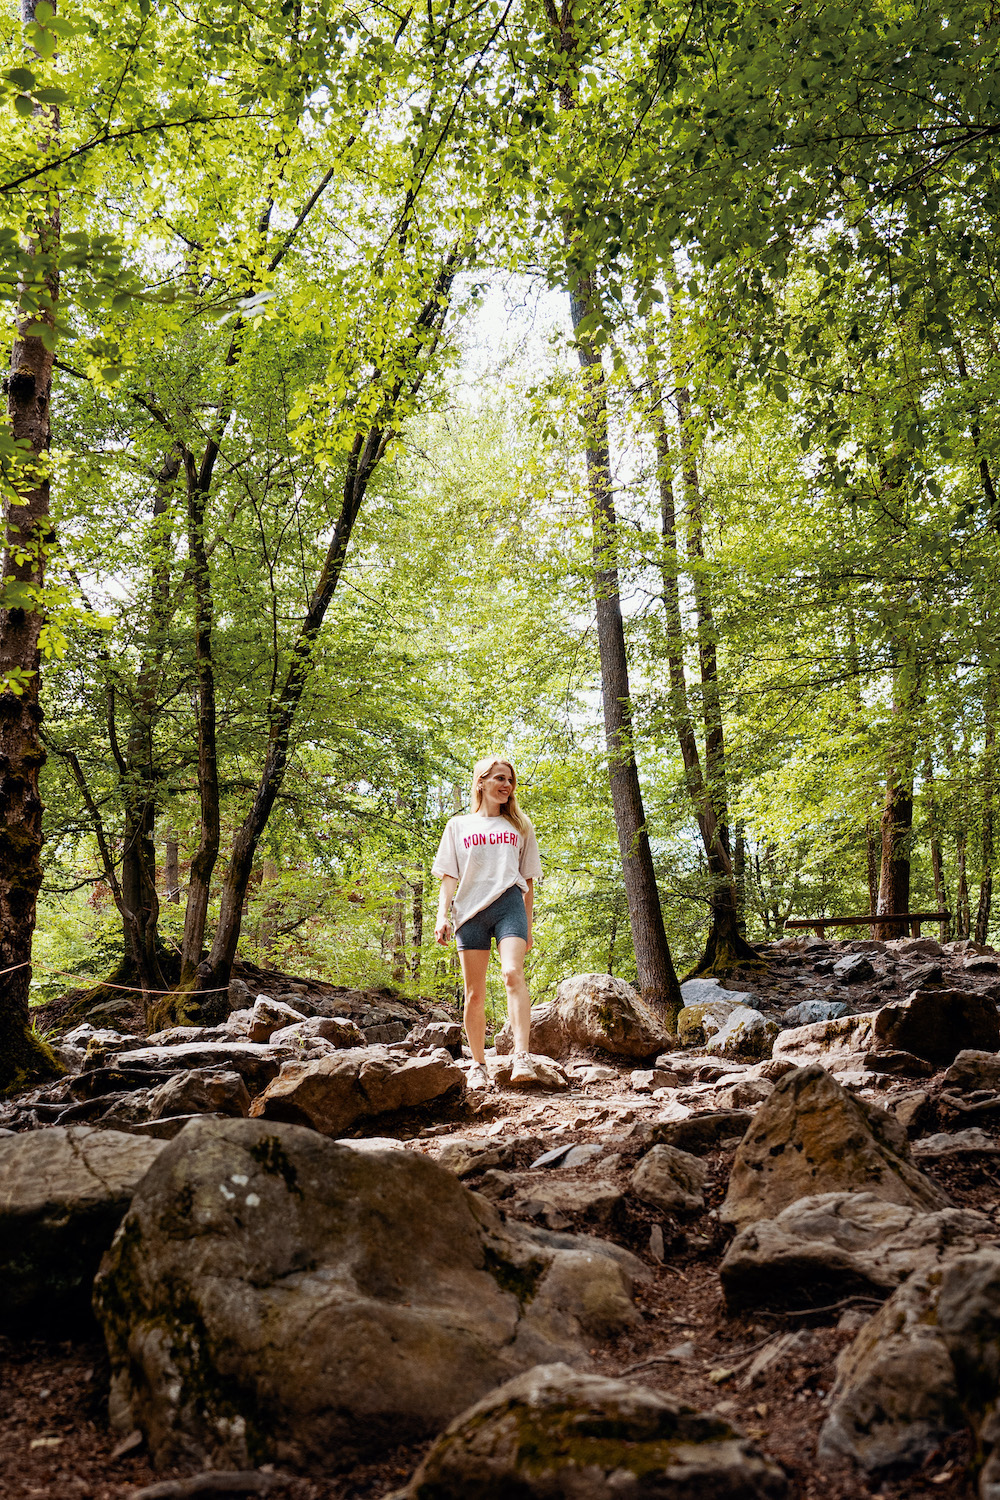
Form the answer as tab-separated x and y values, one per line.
512	951
475	962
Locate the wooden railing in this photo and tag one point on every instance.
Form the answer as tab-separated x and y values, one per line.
910	919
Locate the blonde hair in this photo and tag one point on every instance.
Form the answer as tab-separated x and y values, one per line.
510	810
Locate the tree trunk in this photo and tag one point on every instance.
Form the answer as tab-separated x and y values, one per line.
726	944
934	840
213	973
171	868
988	781
657	979
873	854
398	971
199	479
28	536
963	915
418	929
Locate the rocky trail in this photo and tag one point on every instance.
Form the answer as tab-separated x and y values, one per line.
760	1258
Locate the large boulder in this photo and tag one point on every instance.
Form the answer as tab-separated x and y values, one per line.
200	1091
332	1093
593	1012
826	1247
927	1365
696	1023
256	1064
337	1030
811	1136
274	1296
554	1434
895	1397
746	1034
837	1044
63	1192
938	1024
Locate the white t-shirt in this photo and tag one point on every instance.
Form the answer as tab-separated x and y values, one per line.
487	856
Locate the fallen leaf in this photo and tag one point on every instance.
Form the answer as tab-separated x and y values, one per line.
718	1376
46	1442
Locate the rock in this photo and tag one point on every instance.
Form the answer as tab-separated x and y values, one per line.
554	1201
981	964
746	1094
698	1133
923	947
925	974
467	1157
895	1397
807	1012
595	1012
923	1368
973	1070
63	1192
580	1155
255	1064
696	1023
854	968
839	1043
200	1091
938	1024
832	1245
337	1030
270	1015
554	1434
707	991
898	1065
596	1073
911	1110
746	1034
812	1137
332	1093
958	1143
272	1296
670	1180
446	1034
644	1080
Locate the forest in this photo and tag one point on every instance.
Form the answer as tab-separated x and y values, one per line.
612	387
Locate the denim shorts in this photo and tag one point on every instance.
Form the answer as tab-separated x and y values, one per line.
504	917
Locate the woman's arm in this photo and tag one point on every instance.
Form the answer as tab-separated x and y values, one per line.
442	928
529	906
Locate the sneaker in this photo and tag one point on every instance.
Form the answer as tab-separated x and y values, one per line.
522	1072
477	1079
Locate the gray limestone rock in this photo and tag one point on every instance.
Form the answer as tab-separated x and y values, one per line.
829	1246
702	991
200	1091
854	968
332	1093
270	1015
595	1012
806	1012
337	1030
938	1024
973	1070
746	1034
811	1136
63	1192
670	1180
272	1296
554	1434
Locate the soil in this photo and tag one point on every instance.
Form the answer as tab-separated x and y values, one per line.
55	1440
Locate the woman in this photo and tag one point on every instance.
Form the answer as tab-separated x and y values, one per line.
488	863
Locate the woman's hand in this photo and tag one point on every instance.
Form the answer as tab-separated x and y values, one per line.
527	946
442	930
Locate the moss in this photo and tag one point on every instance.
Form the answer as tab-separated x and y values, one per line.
521	1280
25	1060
